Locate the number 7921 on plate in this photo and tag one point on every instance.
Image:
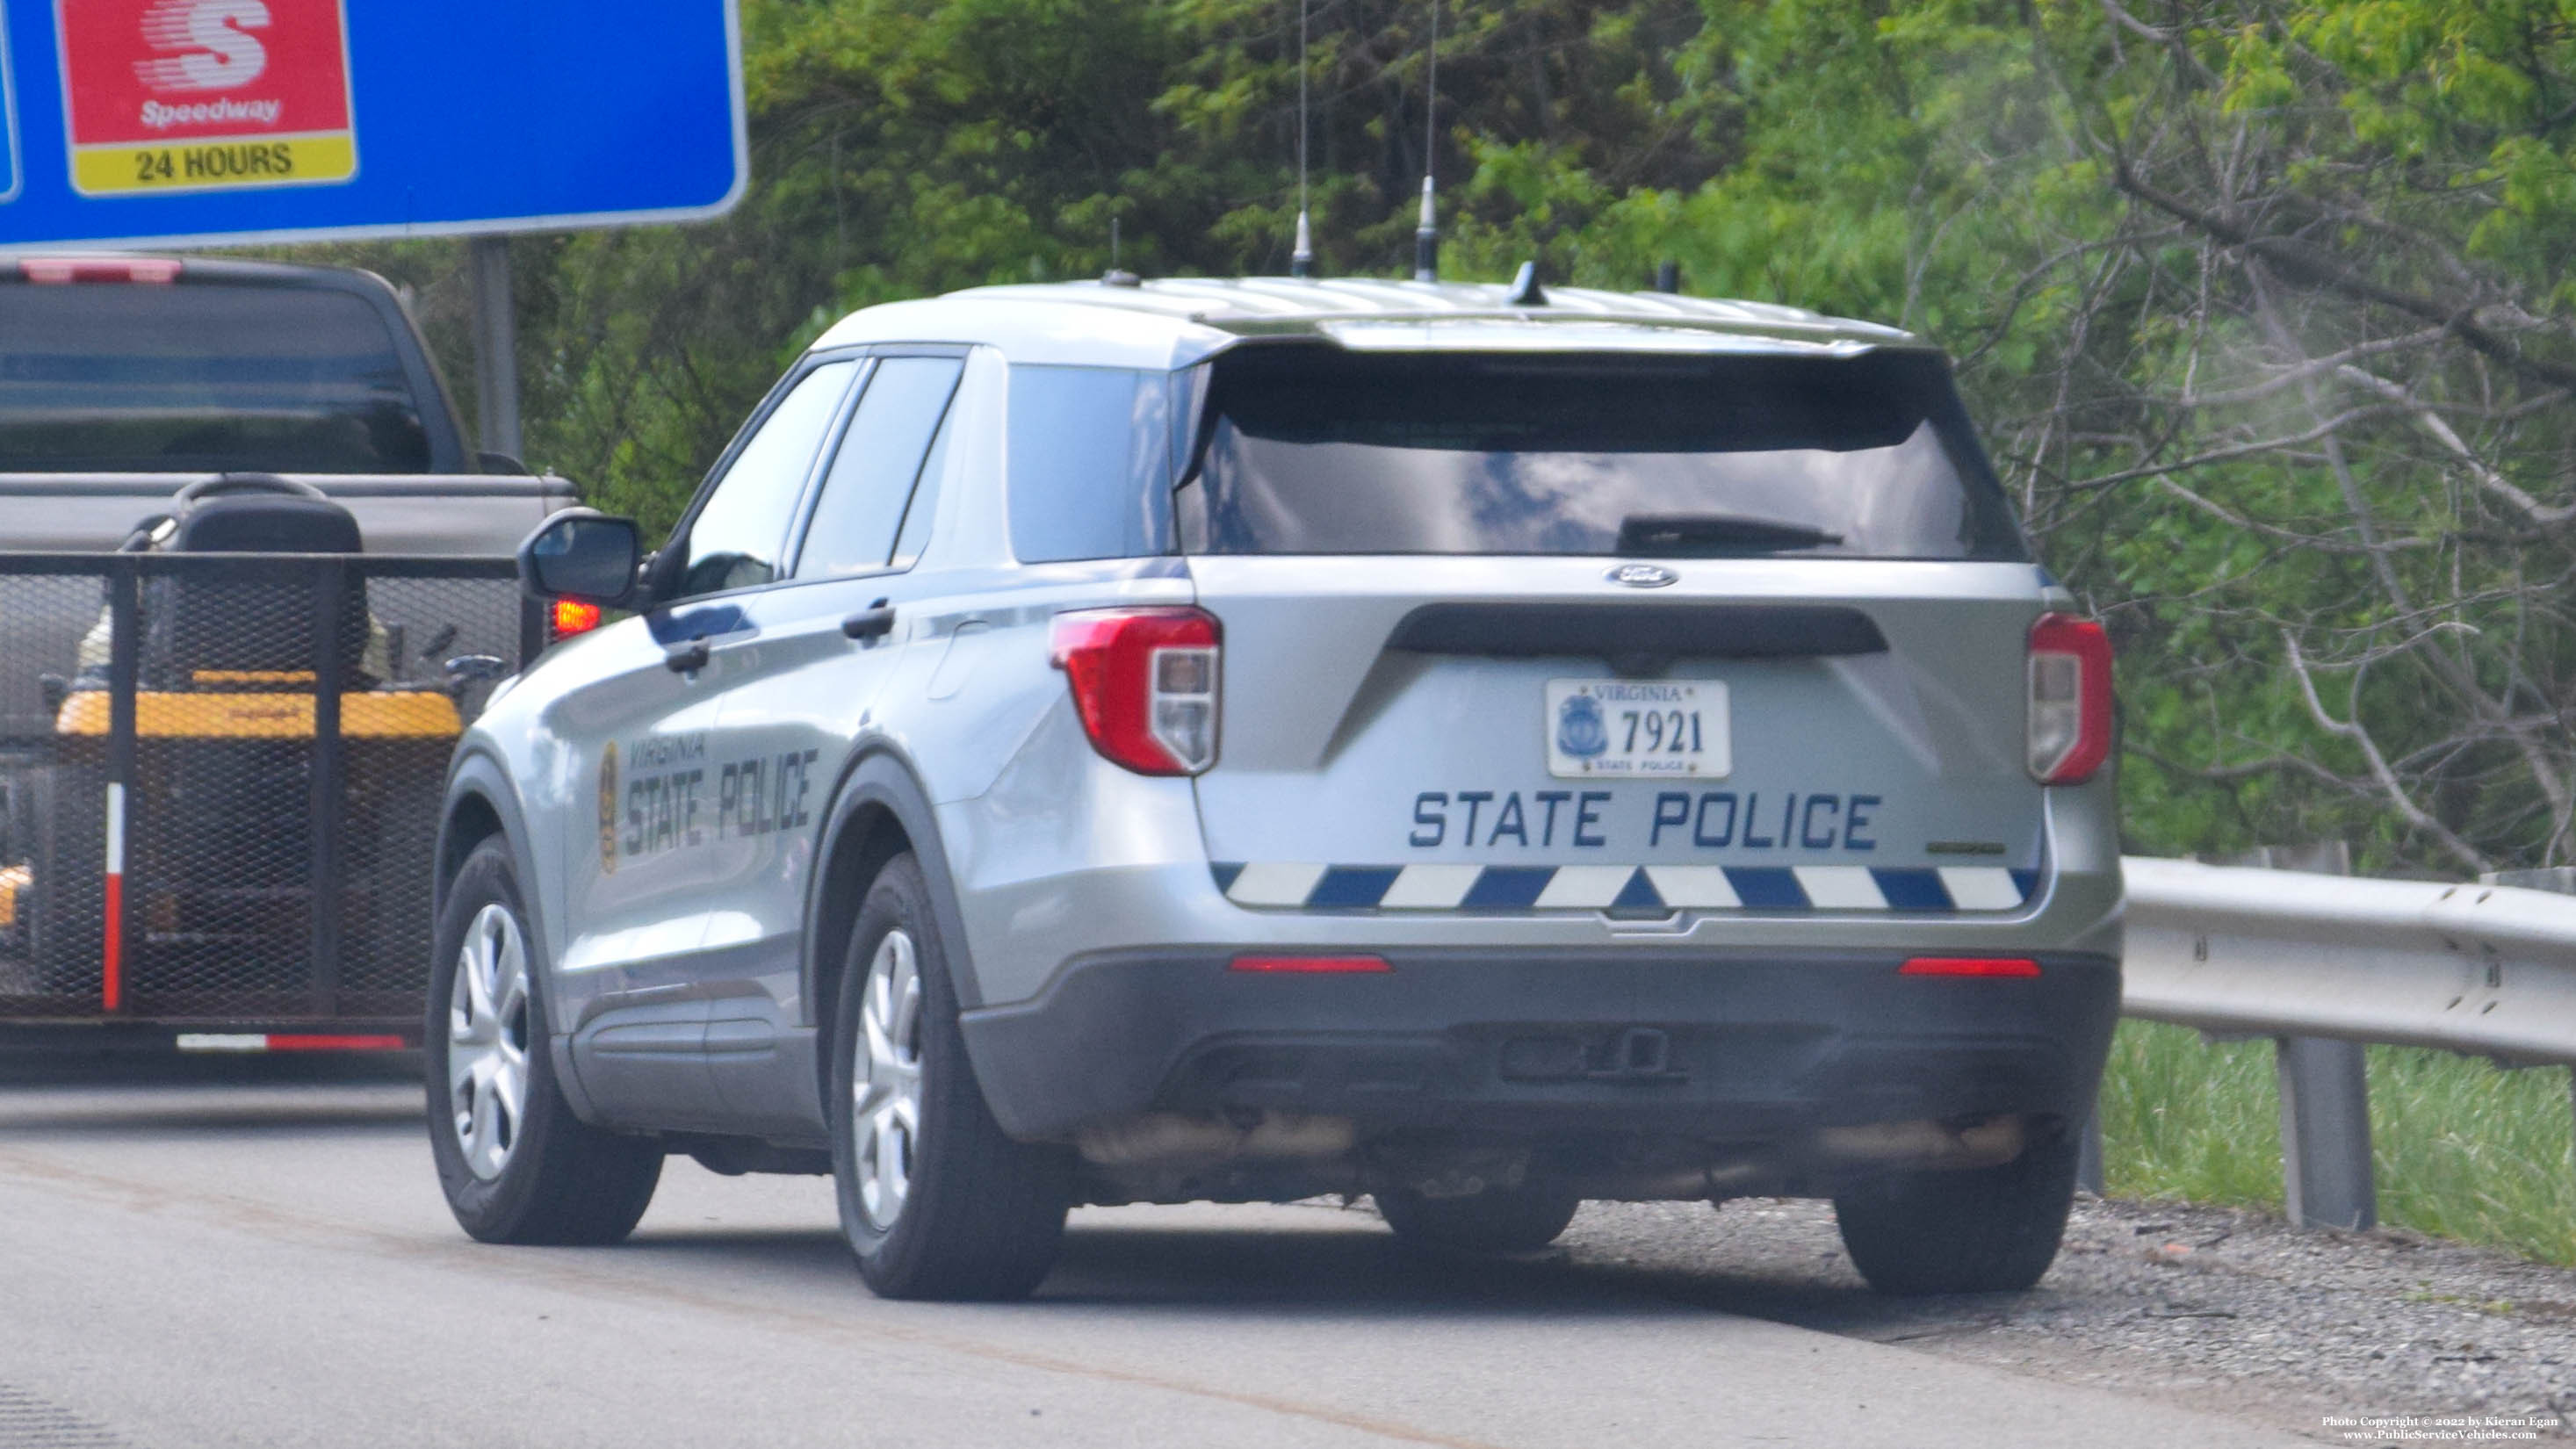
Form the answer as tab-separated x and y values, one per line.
1632	728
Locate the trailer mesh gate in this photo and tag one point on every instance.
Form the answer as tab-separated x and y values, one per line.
222	776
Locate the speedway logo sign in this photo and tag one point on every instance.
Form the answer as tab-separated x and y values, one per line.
205	95
219	122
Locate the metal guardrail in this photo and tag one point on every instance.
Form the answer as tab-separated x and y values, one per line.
2324	963
2487	969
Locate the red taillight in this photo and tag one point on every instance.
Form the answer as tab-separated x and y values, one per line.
572	616
1313	965
1145	683
2070	699
1969	966
60	271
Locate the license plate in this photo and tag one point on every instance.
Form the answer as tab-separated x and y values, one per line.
1637	728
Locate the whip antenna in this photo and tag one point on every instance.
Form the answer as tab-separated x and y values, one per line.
1301	261
1426	236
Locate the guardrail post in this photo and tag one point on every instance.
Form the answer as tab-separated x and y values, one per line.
2325	1094
2325	1133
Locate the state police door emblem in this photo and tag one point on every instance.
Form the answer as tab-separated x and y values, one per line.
608	810
1580	730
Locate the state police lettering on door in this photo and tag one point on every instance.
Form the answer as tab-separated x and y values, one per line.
666	803
755	797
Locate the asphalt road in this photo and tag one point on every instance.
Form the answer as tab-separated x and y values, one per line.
249	1254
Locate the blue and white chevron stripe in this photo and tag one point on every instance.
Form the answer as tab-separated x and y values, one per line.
1947	889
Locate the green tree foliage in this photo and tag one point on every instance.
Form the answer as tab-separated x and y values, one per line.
2265	306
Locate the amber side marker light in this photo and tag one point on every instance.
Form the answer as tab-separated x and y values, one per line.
1313	965
1969	966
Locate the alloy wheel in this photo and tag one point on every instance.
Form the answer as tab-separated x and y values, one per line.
487	1040
885	1089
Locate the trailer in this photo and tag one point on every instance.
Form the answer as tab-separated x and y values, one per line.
222	747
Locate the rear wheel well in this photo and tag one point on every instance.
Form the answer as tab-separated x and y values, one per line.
870	838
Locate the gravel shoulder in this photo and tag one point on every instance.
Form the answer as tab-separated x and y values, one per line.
2218	1309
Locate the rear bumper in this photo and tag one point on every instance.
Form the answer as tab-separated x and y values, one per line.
1748	1045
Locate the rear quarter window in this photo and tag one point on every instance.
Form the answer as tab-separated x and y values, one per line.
1090	463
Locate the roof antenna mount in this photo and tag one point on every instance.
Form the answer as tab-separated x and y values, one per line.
1426	236
1426	239
1526	292
1301	260
1117	276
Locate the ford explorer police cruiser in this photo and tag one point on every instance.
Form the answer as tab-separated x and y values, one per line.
1242	740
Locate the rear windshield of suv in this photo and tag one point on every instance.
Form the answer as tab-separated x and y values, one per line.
1312	450
116	378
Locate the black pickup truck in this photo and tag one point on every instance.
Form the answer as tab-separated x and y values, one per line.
252	582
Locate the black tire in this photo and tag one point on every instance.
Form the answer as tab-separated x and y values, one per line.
67	927
980	1216
1498	1220
1984	1230
562	1181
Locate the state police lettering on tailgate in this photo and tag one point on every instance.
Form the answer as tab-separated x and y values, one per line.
1709	819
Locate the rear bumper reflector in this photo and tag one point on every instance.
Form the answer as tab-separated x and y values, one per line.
282	1041
1969	966
1313	965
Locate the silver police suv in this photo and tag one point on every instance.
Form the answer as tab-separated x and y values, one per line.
1242	740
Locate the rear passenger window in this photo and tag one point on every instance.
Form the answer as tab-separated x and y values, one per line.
737	536
876	467
1090	463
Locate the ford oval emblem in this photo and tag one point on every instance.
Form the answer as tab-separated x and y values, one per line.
1643	576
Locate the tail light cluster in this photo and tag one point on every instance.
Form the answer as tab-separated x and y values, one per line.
2070	699
1145	683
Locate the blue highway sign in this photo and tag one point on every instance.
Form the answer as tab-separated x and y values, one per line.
178	121
9	166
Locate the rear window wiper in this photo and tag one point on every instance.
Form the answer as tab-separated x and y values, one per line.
1715	534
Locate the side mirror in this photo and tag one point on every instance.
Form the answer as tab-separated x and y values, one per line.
582	554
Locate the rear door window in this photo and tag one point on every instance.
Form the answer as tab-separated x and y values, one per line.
1308	450
202	377
877	467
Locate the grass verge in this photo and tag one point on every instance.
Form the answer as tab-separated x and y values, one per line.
2460	1148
